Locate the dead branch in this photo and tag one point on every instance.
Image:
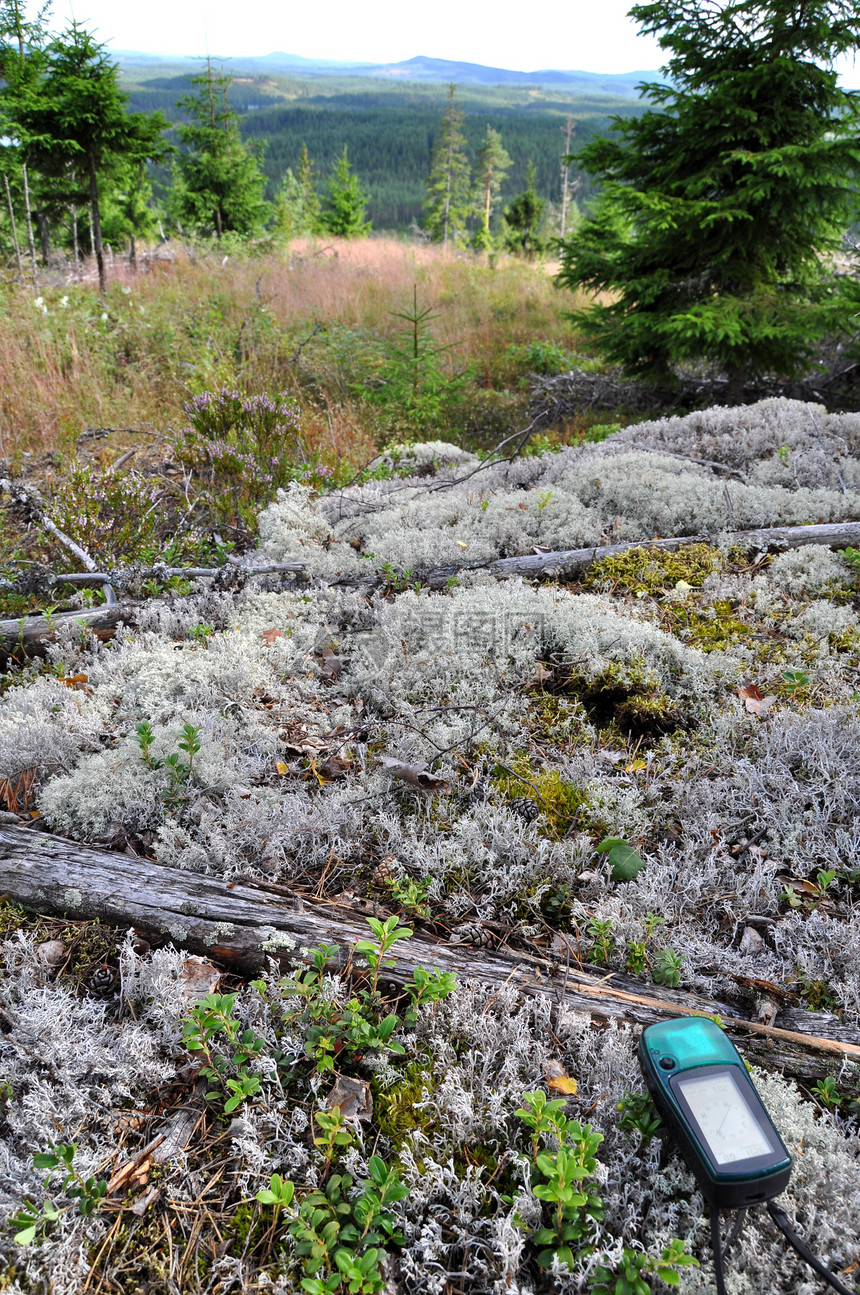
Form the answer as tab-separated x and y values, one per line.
245	923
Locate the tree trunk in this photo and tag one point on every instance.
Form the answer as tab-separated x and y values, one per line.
242	924
15	242
96	224
21	640
736	376
24	638
44	236
30	239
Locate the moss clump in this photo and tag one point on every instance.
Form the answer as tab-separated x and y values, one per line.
651	571
395	1110
560	720
627	697
560	801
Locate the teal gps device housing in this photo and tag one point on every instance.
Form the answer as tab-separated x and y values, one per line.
707	1100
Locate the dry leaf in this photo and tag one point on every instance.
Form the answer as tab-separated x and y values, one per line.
269	636
198	978
282	768
754	699
332	664
336	766
415	774
541	675
352	1097
15	791
562	1084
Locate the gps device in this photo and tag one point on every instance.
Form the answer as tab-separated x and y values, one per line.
701	1088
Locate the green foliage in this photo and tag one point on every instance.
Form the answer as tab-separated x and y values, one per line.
344	202
668	968
218	184
559	1179
243	449
631	1275
827	1093
211	1018
387	934
111	513
599	932
33	1221
521	222
297	209
178	771
415	380
721	203
338	1232
330	1028
410	895
71	120
626	862
639	1115
492	165
449	189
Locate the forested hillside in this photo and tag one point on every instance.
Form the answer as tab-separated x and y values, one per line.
390	130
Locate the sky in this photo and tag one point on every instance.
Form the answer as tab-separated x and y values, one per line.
570	34
581	35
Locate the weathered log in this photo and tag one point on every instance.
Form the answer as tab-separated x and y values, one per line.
242	924
569	561
23	638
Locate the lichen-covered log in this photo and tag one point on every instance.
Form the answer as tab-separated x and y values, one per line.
26	637
242	924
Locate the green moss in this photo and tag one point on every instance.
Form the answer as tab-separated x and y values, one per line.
560	801
560	720
395	1110
651	571
627	697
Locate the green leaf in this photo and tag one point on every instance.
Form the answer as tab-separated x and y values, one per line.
44	1160
625	861
26	1235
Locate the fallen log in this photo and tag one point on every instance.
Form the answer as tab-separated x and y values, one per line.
242	924
568	561
22	639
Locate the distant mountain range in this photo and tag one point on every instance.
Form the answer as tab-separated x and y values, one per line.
419	68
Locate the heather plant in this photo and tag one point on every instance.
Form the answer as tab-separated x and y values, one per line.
244	449
113	515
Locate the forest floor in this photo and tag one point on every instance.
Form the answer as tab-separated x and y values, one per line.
645	772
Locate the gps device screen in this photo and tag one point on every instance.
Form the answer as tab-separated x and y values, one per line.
724	1117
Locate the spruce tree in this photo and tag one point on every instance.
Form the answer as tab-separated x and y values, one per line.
74	126
521	221
219	185
344	203
449	189
492	166
298	205
722	203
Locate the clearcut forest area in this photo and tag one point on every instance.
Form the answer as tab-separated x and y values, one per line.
425	661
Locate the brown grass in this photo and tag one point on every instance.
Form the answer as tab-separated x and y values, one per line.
199	321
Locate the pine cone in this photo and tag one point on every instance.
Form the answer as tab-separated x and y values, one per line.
103	982
474	933
525	808
383	871
476	795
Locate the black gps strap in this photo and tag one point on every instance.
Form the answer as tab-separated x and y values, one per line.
779	1217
